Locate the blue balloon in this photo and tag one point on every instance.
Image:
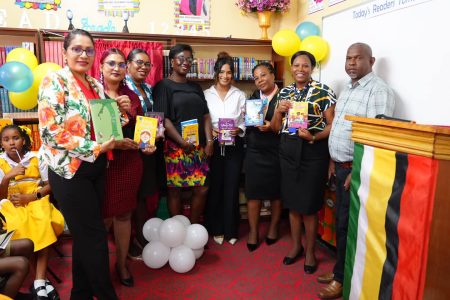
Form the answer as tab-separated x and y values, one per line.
305	29
16	76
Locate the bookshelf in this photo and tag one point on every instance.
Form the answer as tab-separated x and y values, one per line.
204	48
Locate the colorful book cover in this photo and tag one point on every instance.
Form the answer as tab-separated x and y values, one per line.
189	131
298	115
145	131
254	112
106	119
225	127
160	117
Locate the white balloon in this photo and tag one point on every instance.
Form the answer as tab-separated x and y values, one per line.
196	236
183	220
172	232
151	229
155	254
198	252
182	259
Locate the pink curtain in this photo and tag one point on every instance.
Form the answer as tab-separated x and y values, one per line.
154	50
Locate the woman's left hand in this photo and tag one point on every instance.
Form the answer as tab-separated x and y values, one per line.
149	150
305	134
124	103
22	199
209	149
235	131
265	127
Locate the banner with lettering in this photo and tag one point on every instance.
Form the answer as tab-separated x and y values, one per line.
192	15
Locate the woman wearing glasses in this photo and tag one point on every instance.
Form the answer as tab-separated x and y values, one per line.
139	66
186	159
124	173
77	163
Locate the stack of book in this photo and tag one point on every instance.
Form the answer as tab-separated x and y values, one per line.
10	111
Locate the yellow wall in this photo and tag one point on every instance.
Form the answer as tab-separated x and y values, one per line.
153	17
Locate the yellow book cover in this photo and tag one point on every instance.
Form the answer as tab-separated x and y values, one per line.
189	131
145	131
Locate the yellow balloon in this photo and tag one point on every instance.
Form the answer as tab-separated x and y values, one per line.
27	4
285	42
43	69
24	56
25	100
315	45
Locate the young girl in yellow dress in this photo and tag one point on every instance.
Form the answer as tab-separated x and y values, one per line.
25	205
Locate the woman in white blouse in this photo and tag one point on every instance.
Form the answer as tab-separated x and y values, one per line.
226	105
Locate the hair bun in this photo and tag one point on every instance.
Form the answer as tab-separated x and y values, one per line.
223	54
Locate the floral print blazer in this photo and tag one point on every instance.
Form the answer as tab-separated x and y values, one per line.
65	123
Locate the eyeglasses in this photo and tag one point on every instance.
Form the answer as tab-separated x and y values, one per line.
79	51
141	63
113	64
183	59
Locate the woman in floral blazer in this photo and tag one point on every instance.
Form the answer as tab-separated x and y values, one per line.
77	163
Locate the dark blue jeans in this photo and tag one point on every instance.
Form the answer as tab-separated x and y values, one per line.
342	210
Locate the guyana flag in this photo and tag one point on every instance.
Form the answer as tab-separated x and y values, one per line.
391	203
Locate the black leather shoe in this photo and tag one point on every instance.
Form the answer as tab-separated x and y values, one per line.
34	292
290	260
129	282
53	295
252	247
270	241
310	269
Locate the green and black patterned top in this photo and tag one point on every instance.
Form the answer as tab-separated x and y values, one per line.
319	97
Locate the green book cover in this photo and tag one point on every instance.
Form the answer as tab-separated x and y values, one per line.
106	120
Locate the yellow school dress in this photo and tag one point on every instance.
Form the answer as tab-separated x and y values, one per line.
39	220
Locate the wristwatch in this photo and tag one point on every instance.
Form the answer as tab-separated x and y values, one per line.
313	139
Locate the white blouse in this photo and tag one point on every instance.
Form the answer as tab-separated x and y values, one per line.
233	107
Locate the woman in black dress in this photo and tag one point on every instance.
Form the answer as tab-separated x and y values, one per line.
262	163
304	154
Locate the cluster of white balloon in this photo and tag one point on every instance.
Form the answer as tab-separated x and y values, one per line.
174	240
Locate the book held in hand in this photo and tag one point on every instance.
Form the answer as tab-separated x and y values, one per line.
145	131
160	117
106	120
298	115
225	127
189	131
254	112
4	239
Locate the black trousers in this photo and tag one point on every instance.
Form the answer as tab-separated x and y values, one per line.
342	211
222	206
80	201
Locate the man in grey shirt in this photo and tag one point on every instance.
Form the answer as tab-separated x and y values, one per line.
366	95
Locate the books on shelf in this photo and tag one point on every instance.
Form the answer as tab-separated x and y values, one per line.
106	119
145	131
254	112
8	108
189	131
298	115
5	238
160	117
225	126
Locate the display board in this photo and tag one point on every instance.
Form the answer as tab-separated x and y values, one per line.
412	53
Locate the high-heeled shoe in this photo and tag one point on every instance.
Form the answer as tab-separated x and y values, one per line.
252	247
310	269
270	241
290	260
129	282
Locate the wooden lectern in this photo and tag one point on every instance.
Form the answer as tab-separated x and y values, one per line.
398	244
